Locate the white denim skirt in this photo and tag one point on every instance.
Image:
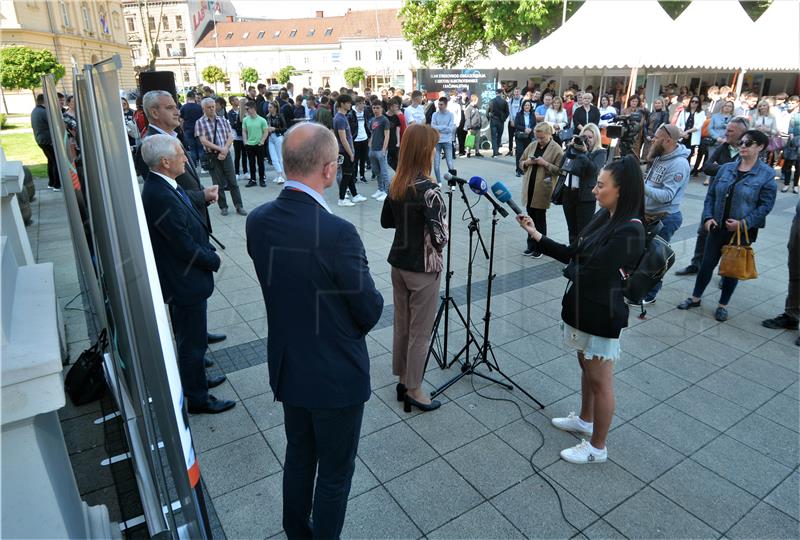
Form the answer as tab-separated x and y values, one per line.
590	345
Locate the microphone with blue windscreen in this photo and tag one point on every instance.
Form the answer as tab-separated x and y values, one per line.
479	186
504	196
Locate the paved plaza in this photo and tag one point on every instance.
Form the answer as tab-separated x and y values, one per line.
704	442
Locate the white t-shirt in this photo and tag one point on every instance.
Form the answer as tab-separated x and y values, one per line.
362	131
415	115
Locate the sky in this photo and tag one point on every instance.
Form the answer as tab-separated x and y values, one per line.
281	9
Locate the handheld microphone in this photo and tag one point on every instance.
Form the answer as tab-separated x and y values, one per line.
503	195
452	179
478	185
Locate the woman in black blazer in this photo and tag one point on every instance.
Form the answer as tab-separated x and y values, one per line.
593	308
524	123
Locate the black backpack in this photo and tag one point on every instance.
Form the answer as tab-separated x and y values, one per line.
85	381
656	260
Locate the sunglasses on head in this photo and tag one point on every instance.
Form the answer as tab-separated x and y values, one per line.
746	143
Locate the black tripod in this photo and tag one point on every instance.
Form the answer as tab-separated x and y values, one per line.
440	355
469	367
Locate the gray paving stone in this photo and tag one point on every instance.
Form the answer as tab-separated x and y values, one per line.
793	391
777	353
490	465
276	438
222	467
631	402
249	382
448	428
709	408
362	519
492	413
483	521
600	487
648	513
765	521
652	381
530	320
669	333
763	372
735	337
742	465
252	511
782	410
532	507
533	350
737	389
433	494
786	496
266	412
682	364
640	345
565	370
541	386
526	440
769	438
640	454
363	480
705	494
213	430
676	429
378	415
601	530
710	350
394	451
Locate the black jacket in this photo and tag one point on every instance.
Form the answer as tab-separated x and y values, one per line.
352	119
581	117
719	157
585	170
594	301
184	257
498	109
40	126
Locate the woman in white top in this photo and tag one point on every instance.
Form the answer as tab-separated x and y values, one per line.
764	121
690	120
556	115
606	108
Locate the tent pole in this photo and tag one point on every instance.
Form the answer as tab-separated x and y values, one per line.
740	81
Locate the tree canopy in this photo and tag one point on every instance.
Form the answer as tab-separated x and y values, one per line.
284	74
446	32
249	75
213	74
23	67
354	75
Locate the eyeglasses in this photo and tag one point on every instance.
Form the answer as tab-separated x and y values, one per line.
746	143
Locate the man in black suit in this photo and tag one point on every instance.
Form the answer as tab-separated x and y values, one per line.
497	113
186	261
321	301
163	117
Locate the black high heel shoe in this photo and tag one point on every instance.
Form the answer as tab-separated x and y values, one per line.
401	391
408	401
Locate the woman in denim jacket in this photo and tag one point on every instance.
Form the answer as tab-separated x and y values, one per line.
742	195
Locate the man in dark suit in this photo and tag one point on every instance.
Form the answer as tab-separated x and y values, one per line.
321	301
497	113
164	117
186	261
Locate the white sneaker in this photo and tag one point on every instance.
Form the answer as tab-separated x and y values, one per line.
381	197
345	202
280	180
377	194
573	423
584	453
358	198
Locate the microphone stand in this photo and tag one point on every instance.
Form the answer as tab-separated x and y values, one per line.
483	352
440	355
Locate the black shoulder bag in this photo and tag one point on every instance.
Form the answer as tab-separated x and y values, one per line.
86	381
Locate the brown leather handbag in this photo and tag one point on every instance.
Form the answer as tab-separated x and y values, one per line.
738	260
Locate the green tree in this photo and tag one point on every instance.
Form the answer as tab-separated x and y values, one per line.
285	73
213	74
354	75
23	67
249	75
446	32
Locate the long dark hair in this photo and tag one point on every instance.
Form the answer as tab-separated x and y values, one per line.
626	174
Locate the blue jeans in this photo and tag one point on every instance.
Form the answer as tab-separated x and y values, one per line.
194	149
437	158
714	242
275	142
671	223
321	444
380	165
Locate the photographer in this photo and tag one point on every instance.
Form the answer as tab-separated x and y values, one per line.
593	311
580	177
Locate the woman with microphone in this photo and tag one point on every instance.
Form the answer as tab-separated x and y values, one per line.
416	210
593	308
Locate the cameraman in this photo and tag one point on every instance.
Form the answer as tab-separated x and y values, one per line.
580	177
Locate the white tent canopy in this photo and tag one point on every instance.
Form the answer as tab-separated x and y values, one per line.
709	34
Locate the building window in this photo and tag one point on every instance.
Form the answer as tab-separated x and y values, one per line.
185	76
310	32
169	49
64	12
378	55
399	54
87	18
229	35
358	55
164	22
151	23
328	31
277	34
179	23
246	35
182	48
292	33
306	60
131	24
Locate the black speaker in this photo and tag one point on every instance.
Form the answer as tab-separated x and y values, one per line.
157	80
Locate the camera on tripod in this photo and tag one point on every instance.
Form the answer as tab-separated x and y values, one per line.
625	128
620	125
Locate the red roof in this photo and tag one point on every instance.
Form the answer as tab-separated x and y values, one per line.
381	23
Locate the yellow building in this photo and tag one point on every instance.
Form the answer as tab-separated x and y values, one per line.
78	32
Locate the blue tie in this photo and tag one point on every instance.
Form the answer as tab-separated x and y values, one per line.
183	195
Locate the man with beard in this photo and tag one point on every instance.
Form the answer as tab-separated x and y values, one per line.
665	185
725	153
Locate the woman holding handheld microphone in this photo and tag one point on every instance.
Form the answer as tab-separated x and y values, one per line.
593	308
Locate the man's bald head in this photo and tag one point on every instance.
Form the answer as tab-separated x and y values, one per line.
307	148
